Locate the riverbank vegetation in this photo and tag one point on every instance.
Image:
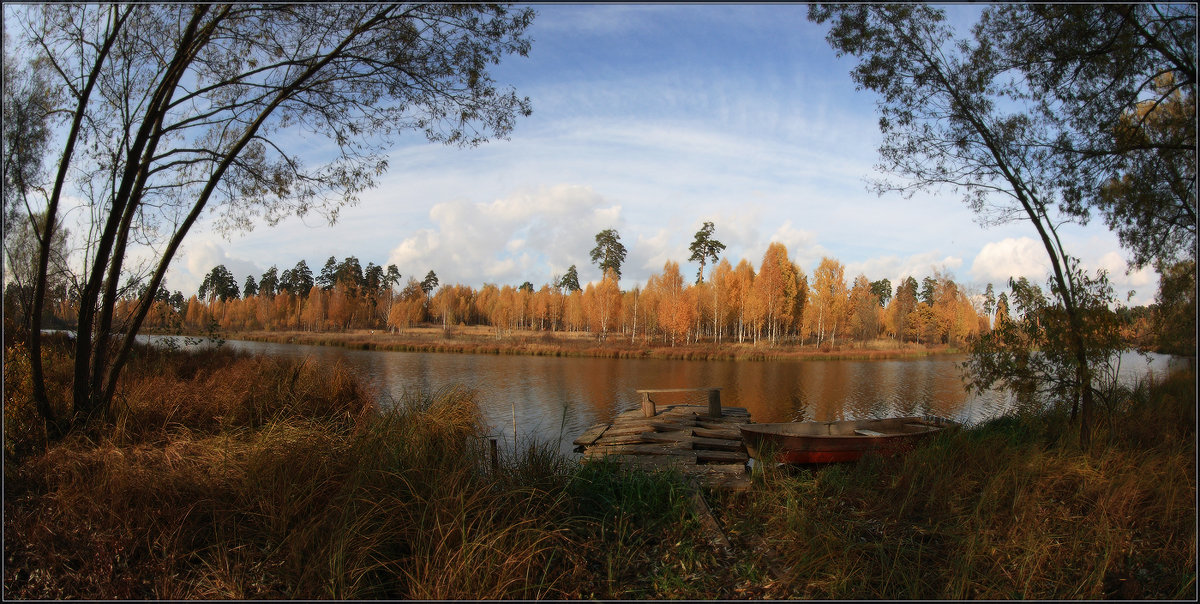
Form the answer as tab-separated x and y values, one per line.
221	475
481	340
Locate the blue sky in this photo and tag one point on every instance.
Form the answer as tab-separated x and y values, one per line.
652	119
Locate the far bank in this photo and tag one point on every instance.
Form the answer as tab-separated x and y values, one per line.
483	340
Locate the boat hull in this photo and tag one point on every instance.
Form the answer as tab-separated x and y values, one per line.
831	442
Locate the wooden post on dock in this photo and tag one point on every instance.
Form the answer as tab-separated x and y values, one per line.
714	399
647	405
714	402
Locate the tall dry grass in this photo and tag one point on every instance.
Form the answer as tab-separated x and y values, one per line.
226	476
1009	510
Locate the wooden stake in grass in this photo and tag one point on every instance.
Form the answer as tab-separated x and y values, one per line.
495	457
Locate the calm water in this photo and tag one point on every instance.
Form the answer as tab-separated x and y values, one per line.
556	399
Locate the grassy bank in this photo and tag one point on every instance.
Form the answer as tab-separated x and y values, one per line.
480	340
229	476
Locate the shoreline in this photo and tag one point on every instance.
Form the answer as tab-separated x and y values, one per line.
567	344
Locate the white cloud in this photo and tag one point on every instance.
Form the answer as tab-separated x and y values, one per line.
1025	257
802	246
895	268
1009	257
200	257
505	240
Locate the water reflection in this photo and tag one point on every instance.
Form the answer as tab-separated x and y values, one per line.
552	398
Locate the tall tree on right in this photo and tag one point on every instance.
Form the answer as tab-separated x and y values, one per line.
609	254
954	112
1118	83
705	248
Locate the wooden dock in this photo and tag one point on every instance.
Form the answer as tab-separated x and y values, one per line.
699	440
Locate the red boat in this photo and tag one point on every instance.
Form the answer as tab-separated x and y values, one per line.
826	442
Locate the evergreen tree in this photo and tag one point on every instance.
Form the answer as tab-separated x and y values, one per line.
704	248
609	253
570	281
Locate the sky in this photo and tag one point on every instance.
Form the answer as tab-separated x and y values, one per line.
652	119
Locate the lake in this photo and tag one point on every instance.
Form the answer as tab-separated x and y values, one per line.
555	398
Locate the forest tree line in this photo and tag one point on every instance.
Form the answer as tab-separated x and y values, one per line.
776	302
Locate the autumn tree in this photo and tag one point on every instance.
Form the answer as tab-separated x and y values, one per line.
704	248
773	289
722	276
410	309
602	305
177	110
902	306
675	313
828	301
863	310
609	253
739	293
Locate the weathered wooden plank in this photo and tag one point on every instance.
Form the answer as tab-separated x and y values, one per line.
711	433
708	522
716	443
866	432
625	439
658	449
683	459
590	435
702	411
657	423
721	424
674	389
726	456
622	429
668	426
669	437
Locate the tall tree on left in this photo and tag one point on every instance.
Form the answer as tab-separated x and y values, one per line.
170	111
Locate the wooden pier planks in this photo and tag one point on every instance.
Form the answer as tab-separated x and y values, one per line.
682	437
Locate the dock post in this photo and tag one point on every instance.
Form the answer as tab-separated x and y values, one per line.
647	405
714	402
495	458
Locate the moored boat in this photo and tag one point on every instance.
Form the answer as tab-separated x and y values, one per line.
826	442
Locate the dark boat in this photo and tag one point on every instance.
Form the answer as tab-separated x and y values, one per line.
826	442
